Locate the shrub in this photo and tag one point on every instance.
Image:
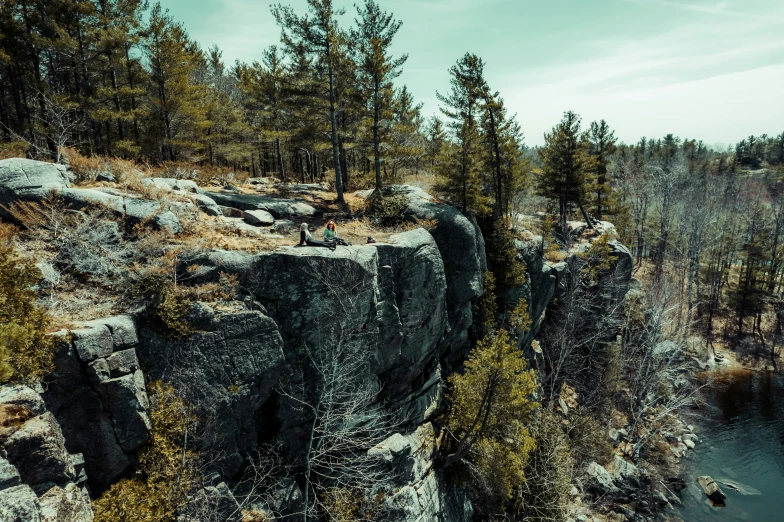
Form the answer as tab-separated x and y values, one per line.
544	495
155	287
388	208
596	260
85	168
490	406
588	436
167	471
14	149
26	352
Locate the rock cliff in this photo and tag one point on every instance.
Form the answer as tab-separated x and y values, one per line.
410	308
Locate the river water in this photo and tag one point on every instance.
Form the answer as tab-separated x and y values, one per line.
741	442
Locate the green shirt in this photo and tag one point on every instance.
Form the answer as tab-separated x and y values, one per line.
329	235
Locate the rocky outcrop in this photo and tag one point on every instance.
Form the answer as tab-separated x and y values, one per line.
39	479
229	370
423	492
29	180
462	250
280	209
406	305
98	383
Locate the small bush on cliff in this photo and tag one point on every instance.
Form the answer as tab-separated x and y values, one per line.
508	270
167	471
26	352
490	406
388	208
544	495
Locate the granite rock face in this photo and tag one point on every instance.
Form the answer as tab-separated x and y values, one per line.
423	492
28	180
97	383
39	479
231	369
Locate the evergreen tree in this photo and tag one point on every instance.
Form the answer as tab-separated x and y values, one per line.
177	113
461	172
602	140
436	139
565	160
374	34
317	34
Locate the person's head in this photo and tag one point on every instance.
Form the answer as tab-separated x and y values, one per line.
304	227
331	225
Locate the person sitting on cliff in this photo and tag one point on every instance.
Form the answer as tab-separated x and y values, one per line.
331	235
307	240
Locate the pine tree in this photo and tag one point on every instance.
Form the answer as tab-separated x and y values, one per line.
317	34
177	113
267	86
461	171
503	140
600	194
565	160
436	139
489	408
374	34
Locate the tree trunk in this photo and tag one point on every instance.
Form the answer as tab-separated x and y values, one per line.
333	122
279	155
376	139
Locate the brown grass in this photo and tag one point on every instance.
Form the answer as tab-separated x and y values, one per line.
15	149
85	168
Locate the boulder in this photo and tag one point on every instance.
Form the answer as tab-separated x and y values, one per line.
107	177
20	395
231	211
93	342
284	226
711	489
28	180
185	185
9	476
279	208
207	205
37	451
134	209
260	218
19	504
65	505
122	328
122	363
625	475
600	482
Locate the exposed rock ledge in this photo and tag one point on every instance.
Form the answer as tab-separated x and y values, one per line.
412	317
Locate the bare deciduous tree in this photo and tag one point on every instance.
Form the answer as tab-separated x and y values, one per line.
338	395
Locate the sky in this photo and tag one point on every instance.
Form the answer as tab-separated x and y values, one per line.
698	69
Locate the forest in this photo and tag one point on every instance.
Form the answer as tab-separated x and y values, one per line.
88	81
123	79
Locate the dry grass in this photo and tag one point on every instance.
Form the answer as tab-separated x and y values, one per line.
15	149
85	168
555	256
